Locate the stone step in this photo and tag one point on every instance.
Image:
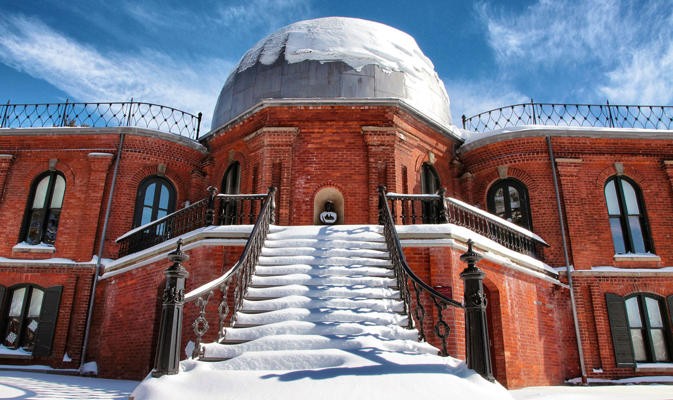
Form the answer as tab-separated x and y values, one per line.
322	291
326	244
322	253
305	279
317	260
323	270
327	304
319	315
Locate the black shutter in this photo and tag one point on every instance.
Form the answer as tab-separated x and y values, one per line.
47	325
3	290
621	339
669	300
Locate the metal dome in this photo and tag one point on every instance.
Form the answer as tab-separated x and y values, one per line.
334	58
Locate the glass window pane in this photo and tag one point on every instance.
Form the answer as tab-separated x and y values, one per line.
17	302
633	313
630	197
611	198
164	197
161	213
59	190
499	201
659	345
35	303
638	345
147	216
514	198
149	194
653	312
617	235
637	235
41	193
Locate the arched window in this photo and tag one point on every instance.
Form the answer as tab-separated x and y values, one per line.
231	184
44	208
508	199
626	211
30	317
430	184
640	328
155	199
232	179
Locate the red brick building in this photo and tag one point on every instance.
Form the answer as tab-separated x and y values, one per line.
597	199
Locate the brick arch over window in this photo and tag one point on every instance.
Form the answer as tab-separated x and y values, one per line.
487	180
222	166
43	208
341	205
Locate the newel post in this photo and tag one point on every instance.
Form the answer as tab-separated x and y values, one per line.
167	357
443	214
476	327
210	211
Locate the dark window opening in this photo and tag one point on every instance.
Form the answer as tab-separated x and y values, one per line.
430	184
44	209
508	199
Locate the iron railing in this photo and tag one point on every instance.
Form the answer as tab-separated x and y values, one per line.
239	275
583	115
407	209
220	209
419	298
99	115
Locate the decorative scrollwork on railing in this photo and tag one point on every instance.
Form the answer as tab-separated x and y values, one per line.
417	295
584	115
409	209
240	276
99	115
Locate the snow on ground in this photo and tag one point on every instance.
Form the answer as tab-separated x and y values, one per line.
26	385
34	385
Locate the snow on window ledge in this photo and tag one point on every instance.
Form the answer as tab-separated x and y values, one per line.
24	247
14	353
637	257
654	366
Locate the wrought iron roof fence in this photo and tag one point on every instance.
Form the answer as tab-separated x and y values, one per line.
101	115
582	115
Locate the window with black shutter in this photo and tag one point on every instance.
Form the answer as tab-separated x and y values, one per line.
29	315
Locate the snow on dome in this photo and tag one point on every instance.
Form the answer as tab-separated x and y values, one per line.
331	58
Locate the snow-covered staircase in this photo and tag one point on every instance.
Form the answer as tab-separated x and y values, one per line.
322	319
320	288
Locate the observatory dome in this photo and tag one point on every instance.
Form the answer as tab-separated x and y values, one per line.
334	58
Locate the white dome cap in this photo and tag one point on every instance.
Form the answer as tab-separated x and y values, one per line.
330	58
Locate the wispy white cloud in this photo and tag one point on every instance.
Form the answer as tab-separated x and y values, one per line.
472	97
87	74
625	44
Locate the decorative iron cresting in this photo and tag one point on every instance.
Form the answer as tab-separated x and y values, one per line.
100	115
583	115
419	298
407	209
239	276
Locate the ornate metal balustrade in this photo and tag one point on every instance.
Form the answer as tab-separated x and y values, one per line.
420	299
105	114
237	278
407	209
220	209
587	115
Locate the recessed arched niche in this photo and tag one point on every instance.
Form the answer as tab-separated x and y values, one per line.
325	195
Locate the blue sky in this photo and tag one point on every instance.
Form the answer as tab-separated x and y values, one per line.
488	53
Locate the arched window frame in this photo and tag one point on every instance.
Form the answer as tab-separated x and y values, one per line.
630	230
154	207
41	220
29	324
524	203
231	181
430	184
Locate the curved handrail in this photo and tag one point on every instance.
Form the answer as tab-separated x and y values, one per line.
241	273
405	275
